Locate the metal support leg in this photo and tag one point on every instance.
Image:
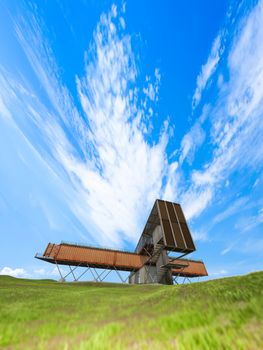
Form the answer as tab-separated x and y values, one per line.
101	274
126	279
106	275
95	279
83	274
98	276
72	273
123	281
175	280
132	273
62	278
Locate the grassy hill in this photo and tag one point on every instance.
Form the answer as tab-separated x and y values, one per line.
221	314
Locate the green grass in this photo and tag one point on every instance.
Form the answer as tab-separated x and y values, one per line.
220	314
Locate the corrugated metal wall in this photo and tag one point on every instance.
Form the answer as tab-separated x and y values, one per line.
88	255
194	268
71	254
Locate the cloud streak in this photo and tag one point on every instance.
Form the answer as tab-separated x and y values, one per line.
208	70
100	152
17	272
97	139
235	118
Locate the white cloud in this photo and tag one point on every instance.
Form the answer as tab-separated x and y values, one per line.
149	91
55	272
249	222
229	247
238	206
4	112
126	170
17	272
122	22
251	245
199	235
245	224
236	116
191	141
112	172
195	200
246	246
207	70
256	183
48	273
194	138
152	88
40	271
219	273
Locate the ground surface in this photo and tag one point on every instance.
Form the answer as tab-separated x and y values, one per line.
219	314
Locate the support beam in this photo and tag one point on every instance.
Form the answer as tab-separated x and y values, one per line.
95	279
62	279
83	274
109	271
119	275
72	273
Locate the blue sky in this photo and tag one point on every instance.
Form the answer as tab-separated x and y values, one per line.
105	107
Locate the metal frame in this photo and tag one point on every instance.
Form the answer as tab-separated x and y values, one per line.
101	276
98	277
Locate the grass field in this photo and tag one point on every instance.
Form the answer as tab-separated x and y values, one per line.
220	314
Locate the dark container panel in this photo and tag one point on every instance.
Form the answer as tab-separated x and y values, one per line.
187	236
178	235
168	233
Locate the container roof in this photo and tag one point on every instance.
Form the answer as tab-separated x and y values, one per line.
175	230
